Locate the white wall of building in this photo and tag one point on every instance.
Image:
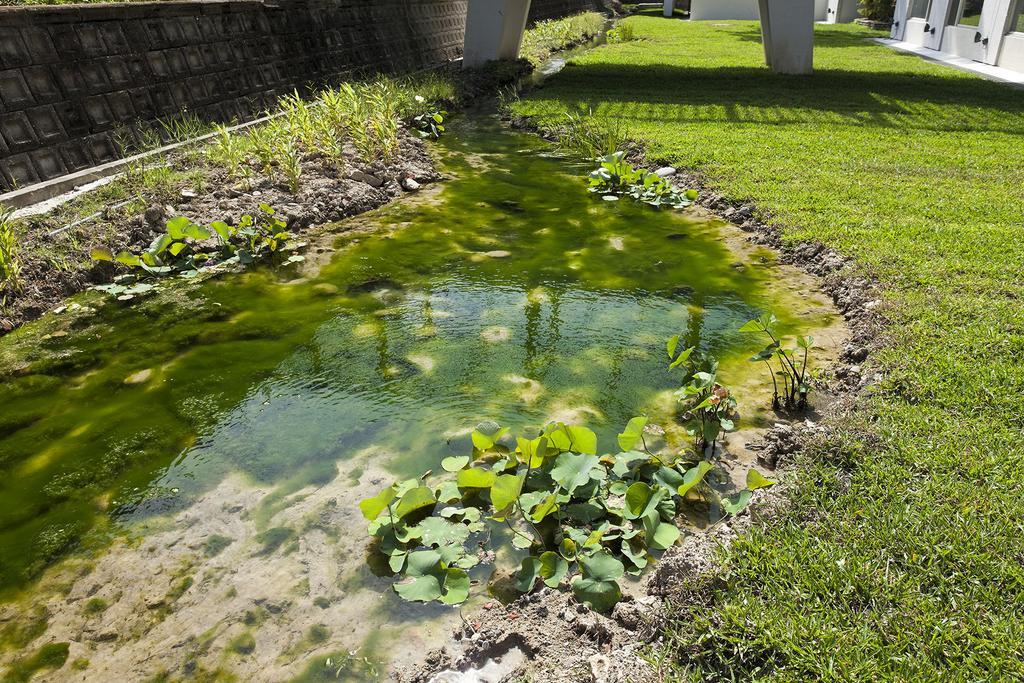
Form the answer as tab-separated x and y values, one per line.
1011	53
723	9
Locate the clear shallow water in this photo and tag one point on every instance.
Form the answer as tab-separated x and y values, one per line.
510	294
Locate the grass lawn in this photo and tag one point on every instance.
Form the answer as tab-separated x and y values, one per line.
911	566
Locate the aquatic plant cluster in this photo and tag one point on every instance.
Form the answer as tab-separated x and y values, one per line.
185	248
616	178
586	519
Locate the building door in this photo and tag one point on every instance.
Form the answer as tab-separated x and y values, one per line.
938	18
974	29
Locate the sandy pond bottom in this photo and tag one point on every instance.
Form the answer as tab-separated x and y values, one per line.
207	458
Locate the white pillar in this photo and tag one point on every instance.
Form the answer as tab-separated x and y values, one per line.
787	30
668	8
494	30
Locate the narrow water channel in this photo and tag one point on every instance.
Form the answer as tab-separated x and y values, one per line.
179	483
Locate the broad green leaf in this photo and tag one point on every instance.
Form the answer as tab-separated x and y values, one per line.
451	552
805	342
100	254
222	229
487	434
668	477
733	507
670	346
632	433
372	507
176	227
475	478
681	358
544	508
397	560
571	471
420	589
584	512
635	552
423	562
521	541
571	438
415	499
567	549
532	451
601	565
196	232
456	586
176	248
665	535
756	480
600	595
624	460
553	568
505	491
638	497
694	476
529	572
448	492
437	531
454	463
127	259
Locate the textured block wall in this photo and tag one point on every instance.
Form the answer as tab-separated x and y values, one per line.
72	78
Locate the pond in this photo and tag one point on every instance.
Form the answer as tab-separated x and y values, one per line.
179	479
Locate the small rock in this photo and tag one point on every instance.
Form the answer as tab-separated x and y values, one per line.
409	185
325	289
665	172
498	253
105	636
154	215
363	177
188	194
600	667
139	377
154	601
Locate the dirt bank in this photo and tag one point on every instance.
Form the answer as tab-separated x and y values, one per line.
55	251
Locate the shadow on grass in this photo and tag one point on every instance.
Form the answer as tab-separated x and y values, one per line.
755	95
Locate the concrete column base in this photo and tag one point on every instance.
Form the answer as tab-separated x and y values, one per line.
787	30
494	30
668	8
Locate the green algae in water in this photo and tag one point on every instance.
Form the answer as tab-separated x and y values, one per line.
513	296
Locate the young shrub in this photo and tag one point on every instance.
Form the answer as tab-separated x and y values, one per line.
289	160
623	33
10	267
791	363
590	137
228	150
262	141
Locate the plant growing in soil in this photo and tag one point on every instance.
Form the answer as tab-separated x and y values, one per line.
709	409
623	33
616	178
10	268
228	150
589	137
585	520
790	371
429	124
186	247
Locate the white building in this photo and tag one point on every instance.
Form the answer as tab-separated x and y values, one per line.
985	31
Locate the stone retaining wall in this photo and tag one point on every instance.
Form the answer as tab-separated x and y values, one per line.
74	78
